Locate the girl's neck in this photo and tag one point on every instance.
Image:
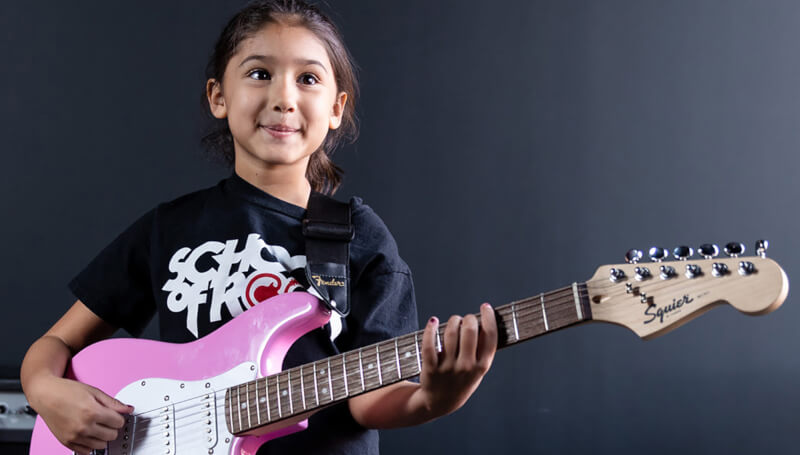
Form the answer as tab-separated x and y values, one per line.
291	187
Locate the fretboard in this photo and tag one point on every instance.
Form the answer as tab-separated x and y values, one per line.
310	387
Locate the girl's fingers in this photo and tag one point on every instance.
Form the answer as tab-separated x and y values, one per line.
104	433
487	341
468	342
430	358
92	443
450	342
109	416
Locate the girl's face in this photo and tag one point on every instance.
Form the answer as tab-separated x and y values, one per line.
279	96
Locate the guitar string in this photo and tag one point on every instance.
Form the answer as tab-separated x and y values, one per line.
665	285
521	311
337	362
567	299
296	369
354	383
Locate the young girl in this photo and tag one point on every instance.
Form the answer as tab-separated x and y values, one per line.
283	85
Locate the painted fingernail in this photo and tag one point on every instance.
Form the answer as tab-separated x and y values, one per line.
486	305
433	320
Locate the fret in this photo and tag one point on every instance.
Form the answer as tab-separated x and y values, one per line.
438	340
378	363
247	401
344	376
266	397
416	346
238	405
397	357
330	381
258	406
316	389
230	407
368	360
544	312
278	393
361	370
289	381
577	300
352	377
407	360
387	365
302	388
514	321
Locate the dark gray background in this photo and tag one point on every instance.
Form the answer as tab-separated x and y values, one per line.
511	148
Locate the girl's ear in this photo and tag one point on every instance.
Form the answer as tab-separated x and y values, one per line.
216	102
338	110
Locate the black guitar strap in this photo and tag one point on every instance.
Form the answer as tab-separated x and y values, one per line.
328	231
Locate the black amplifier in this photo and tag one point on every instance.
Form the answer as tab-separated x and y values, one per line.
16	417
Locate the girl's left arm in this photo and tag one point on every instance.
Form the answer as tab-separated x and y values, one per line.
447	380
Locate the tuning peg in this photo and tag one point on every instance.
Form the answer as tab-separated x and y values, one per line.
708	250
692	271
658	254
683	252
761	248
616	275
734	249
719	269
746	268
633	256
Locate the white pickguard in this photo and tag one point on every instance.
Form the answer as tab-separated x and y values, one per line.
175	417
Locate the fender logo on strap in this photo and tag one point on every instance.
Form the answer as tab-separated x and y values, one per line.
332	282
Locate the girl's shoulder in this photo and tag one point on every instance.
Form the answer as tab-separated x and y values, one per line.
373	240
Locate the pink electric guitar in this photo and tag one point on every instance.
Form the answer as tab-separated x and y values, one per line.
225	393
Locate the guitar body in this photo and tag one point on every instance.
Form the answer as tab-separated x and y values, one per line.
178	390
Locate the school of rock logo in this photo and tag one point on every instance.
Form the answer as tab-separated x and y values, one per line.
216	274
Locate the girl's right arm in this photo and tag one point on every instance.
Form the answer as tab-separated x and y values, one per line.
80	416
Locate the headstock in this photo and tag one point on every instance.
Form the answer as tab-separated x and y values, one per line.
656	297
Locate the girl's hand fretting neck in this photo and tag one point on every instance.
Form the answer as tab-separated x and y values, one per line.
287	184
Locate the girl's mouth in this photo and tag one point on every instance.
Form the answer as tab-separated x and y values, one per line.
279	132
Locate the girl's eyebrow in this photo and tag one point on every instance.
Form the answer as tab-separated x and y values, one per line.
297	61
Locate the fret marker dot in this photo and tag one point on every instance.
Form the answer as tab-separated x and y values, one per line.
408	354
370	366
262	400
324	390
322	371
244	405
284	393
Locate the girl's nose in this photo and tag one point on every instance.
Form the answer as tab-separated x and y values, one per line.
283	95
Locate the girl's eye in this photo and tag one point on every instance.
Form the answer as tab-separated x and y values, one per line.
309	79
259	75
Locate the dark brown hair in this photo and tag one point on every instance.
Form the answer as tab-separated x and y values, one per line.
322	173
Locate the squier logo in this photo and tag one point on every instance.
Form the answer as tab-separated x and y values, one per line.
660	312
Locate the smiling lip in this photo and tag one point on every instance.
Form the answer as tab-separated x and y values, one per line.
280	131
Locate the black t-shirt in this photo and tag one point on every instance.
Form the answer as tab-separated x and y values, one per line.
206	257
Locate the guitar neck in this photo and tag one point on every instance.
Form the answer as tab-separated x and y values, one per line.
310	387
